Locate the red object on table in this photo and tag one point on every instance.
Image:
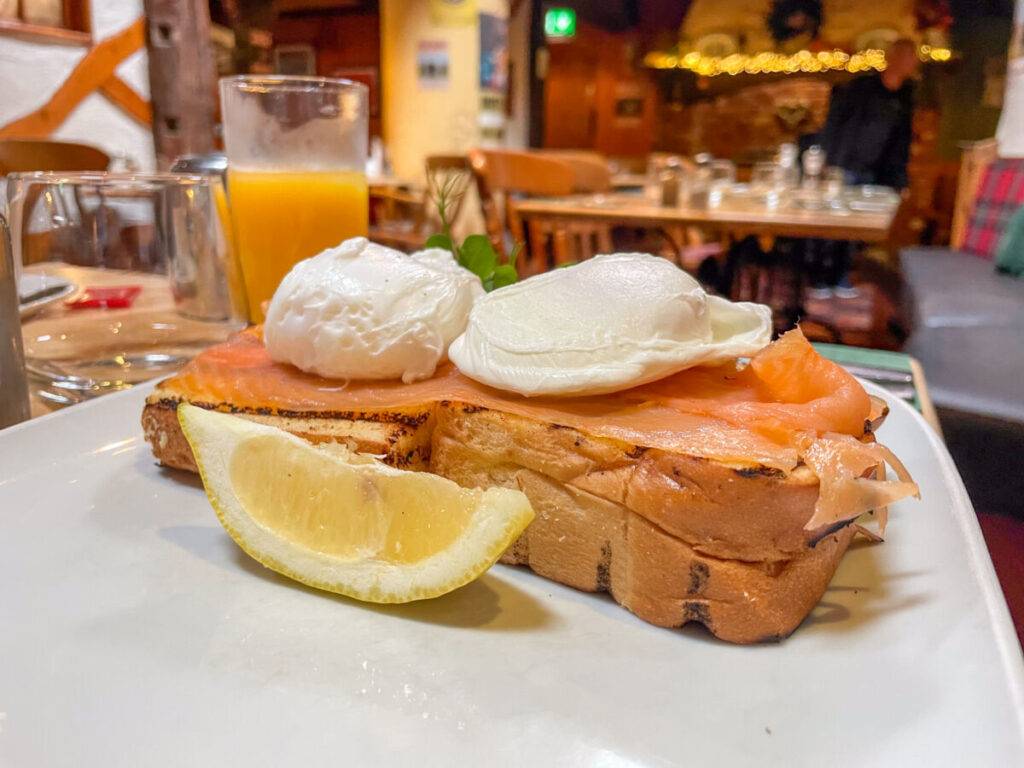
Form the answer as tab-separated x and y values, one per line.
107	297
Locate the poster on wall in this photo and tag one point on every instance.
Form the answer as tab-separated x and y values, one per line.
493	77
493	53
432	65
1011	122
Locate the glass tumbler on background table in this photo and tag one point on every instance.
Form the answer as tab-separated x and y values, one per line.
297	149
723	177
767	183
124	278
832	188
710	180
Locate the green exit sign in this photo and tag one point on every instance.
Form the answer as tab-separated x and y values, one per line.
560	22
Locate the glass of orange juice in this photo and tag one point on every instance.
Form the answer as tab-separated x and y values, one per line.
296	150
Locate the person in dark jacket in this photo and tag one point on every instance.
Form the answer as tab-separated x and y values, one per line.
867	133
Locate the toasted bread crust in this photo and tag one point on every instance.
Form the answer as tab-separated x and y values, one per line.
402	439
672	538
594	545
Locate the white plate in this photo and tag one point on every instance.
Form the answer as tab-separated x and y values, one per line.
29	283
134	632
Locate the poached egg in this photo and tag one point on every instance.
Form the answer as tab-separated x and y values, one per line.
607	324
365	311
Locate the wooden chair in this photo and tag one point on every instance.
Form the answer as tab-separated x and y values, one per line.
555	241
977	157
591	169
22	156
508	174
25	156
408	233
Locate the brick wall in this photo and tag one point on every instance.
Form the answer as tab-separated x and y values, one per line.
756	118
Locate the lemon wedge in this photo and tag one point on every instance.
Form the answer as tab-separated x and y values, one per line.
345	522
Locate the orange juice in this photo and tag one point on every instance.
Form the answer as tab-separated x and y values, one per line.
283	217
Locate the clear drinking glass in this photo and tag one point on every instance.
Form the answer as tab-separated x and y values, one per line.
699	189
297	149
832	188
124	277
789	161
767	181
722	176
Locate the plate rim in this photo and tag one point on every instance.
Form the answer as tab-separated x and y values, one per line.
979	560
29	309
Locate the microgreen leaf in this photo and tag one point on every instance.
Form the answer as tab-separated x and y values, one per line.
504	274
478	256
439	241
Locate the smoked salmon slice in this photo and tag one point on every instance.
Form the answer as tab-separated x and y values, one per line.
787	406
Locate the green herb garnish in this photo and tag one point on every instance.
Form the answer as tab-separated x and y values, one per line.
476	253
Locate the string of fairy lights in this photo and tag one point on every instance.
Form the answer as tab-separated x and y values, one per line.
770	62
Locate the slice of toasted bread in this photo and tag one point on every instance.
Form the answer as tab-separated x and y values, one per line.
673	538
724	547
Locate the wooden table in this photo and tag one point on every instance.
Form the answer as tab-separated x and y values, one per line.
386	181
738	218
79	330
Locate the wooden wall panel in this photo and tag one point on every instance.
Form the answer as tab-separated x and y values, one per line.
342	40
569	93
589	78
625	104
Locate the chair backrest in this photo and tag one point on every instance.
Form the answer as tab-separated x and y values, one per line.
591	169
555	241
23	155
437	163
508	173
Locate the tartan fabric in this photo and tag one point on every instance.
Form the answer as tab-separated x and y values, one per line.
1000	194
